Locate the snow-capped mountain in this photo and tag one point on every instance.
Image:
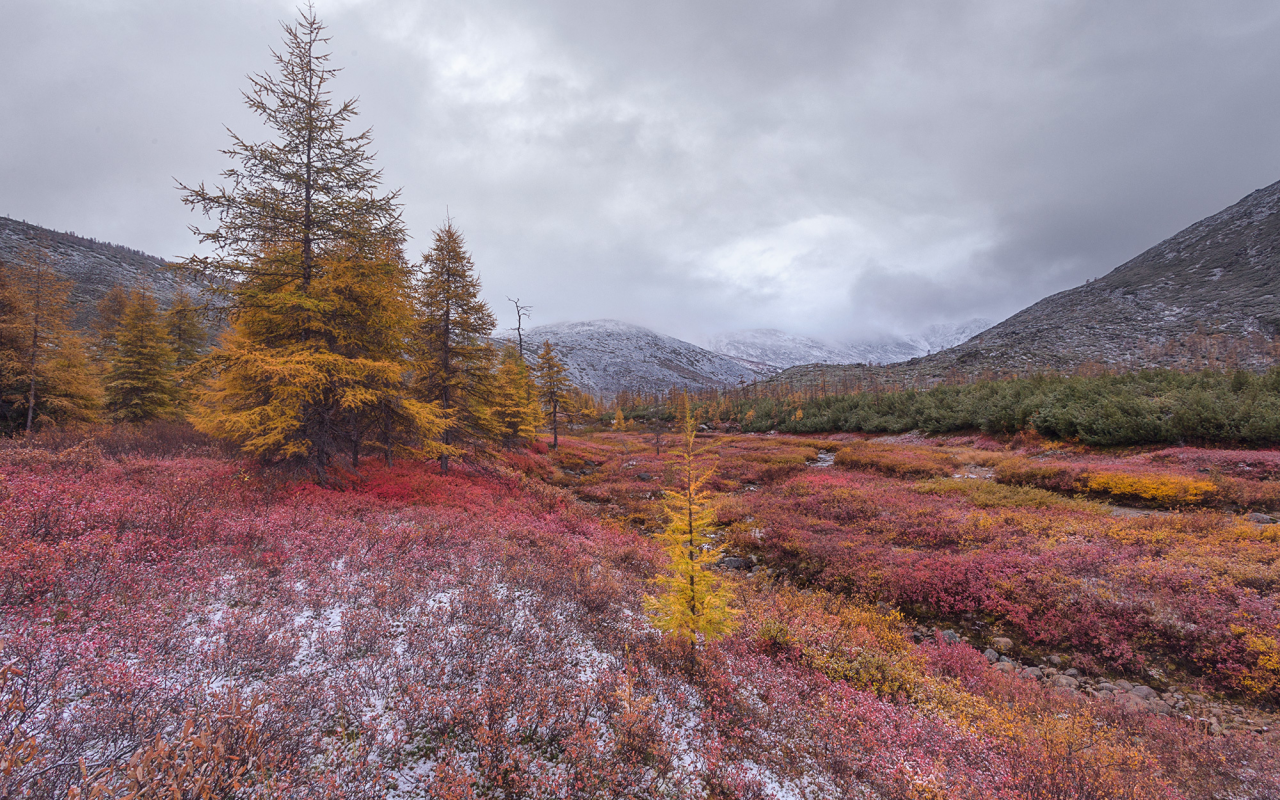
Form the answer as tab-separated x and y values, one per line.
605	356
781	350
777	348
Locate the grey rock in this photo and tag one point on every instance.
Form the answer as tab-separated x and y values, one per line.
1131	703
950	637
731	562
1145	692
1033	673
1261	519
1125	685
1055	660
1006	667
1002	644
1073	672
1065	682
991	655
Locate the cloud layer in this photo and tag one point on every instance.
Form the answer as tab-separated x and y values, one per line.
829	168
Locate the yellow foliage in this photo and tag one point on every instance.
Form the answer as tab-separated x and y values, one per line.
694	601
1164	490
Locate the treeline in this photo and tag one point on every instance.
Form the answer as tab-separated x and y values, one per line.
335	346
1147	407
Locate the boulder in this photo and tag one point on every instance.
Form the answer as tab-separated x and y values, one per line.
1130	703
1144	692
991	656
1033	673
1006	667
950	637
730	562
1261	519
1002	644
1065	682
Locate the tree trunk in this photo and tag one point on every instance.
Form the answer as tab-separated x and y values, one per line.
31	395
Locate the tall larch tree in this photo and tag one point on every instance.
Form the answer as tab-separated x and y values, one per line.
301	221
141	383
44	375
454	361
553	387
694	601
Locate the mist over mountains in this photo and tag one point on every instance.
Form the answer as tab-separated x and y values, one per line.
780	349
1207	296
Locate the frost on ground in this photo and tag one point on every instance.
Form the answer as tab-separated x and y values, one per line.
470	636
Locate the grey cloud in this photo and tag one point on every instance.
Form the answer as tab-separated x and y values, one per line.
830	168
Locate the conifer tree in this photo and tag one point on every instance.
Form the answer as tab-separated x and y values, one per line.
106	323
454	361
140	385
553	384
187	334
694	601
308	259
44	375
515	407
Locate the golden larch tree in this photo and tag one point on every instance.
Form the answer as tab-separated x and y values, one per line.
694	601
307	259
44	375
140	385
454	363
553	387
515	408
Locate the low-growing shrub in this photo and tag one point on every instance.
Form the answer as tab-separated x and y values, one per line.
896	462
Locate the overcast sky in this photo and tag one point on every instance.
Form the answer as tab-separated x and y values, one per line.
827	168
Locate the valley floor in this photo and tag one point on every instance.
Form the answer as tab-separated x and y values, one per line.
186	621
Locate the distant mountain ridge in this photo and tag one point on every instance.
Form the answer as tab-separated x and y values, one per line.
605	356
93	267
778	349
1208	295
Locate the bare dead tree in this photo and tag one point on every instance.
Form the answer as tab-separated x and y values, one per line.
522	313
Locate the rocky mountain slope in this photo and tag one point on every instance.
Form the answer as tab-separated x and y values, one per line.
779	349
605	356
93	267
1207	296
